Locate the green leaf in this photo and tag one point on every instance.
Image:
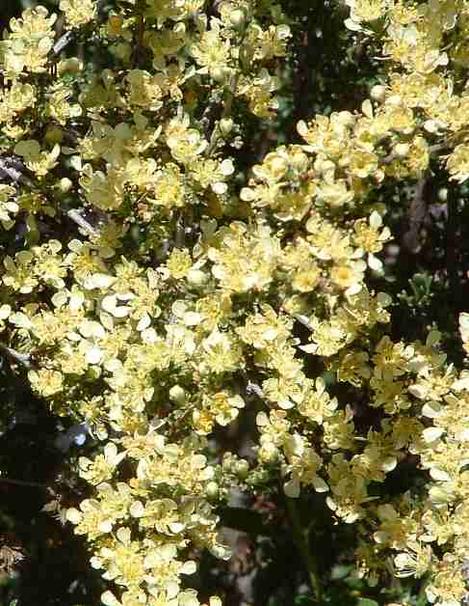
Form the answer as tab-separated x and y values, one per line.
341	571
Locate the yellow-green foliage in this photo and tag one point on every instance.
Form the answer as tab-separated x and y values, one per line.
172	302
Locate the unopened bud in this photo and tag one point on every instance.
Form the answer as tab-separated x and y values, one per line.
226	126
72	65
218	74
378	92
268	453
242	469
177	394
64	185
237	17
212	490
227	462
196	277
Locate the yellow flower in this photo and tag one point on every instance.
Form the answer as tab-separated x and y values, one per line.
104	190
212	53
46	382
458	163
8	208
40	162
179	263
415	561
15	100
362	163
103	466
78	12
18	272
245	258
29	41
349	277
367	10
221	407
59	106
143	90
220	354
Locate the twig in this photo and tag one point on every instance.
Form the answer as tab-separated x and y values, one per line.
62	42
230	93
452	245
227	108
431	150
77	218
301	536
11	167
23	359
416	214
254	388
139	33
180	233
304	321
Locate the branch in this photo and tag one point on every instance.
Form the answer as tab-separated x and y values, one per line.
62	42
431	150
253	388
301	539
23	359
180	233
12	168
77	218
303	320
416	215
452	246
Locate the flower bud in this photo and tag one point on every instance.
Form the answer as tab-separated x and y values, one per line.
226	126
64	185
212	490
227	462
237	17
218	74
378	92
242	469
268	453
71	65
197	277
177	394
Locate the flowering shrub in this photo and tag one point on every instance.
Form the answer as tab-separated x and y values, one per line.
158	291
